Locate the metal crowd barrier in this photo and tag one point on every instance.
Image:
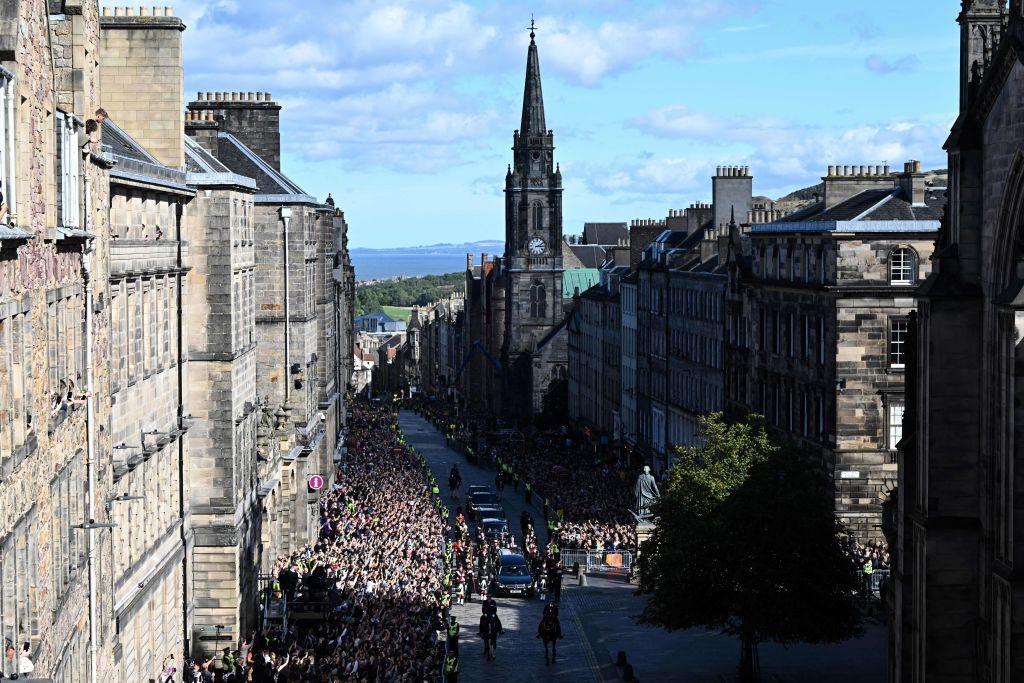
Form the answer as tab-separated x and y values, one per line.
598	560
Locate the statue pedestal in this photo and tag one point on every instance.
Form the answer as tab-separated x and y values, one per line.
643	532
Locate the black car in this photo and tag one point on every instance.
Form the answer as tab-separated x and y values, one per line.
477	501
512	575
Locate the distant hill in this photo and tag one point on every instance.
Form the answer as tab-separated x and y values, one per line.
490	246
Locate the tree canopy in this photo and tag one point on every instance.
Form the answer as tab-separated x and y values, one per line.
747	542
406	291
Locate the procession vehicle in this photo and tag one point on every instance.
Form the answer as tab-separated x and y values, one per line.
512	575
482	500
477	488
494	526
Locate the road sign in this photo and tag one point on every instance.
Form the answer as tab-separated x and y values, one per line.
316	482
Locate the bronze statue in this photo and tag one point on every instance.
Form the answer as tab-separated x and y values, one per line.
647	492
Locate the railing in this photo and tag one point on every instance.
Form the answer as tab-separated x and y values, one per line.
875	579
598	560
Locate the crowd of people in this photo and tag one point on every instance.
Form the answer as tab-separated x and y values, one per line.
375	572
585	486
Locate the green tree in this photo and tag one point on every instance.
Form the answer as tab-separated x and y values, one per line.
554	405
747	542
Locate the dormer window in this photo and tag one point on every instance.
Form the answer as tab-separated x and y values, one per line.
902	267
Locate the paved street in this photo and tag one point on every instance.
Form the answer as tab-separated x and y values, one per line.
520	654
601	619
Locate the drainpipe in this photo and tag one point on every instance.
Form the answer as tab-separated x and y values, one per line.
286	215
186	599
90	430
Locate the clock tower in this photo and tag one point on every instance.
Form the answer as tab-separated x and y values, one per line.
533	254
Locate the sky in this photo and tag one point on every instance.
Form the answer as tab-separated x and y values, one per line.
404	109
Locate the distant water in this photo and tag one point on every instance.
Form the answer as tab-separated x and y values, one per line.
376	265
428	259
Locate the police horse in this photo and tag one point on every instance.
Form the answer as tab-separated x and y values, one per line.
550	631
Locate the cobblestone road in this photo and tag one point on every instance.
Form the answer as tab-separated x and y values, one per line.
520	653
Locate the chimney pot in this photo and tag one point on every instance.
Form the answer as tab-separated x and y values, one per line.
266	96
234	96
144	12
158	11
129	11
831	171
887	169
169	11
106	11
219	96
118	11
209	95
917	167
252	96
259	97
199	95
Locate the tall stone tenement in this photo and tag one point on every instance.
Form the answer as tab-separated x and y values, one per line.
138	388
54	336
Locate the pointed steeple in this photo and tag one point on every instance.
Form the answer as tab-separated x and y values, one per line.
533	99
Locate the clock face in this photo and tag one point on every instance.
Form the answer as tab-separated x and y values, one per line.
536	246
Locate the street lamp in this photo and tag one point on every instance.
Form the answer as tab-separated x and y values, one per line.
120	498
93	524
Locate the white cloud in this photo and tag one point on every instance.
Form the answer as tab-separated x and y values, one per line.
781	154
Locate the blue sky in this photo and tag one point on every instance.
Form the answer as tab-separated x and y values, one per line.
404	109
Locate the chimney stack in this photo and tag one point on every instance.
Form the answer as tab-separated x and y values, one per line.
732	194
843	182
912	183
137	51
252	117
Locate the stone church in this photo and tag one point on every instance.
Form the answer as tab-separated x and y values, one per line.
955	530
534	349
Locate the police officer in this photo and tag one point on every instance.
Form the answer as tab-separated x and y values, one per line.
451	668
453	636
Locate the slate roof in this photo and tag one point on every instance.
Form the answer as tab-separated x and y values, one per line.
590	255
120	144
243	161
875	210
605	233
134	162
198	160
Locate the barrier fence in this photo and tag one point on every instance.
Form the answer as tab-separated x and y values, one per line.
598	560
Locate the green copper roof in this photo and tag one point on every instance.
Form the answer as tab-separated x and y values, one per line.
581	279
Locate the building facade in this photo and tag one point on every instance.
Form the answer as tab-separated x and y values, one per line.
54	245
141	462
955	533
827	295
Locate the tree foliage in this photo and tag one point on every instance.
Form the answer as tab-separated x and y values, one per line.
747	542
554	404
407	291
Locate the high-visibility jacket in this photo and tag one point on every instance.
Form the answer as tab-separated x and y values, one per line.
869	569
453	630
451	665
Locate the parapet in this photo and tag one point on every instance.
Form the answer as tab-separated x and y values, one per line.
138	17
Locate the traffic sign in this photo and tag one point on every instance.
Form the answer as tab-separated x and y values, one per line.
316	482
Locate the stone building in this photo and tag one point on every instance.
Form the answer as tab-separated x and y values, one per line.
955	533
128	262
54	398
817	326
595	352
301	287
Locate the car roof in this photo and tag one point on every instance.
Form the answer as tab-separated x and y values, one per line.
495	520
506	556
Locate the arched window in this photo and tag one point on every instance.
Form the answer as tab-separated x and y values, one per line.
538	216
902	267
538	301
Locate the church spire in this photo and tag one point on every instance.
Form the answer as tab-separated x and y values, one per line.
533	99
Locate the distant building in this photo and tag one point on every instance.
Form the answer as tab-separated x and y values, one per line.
378	323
